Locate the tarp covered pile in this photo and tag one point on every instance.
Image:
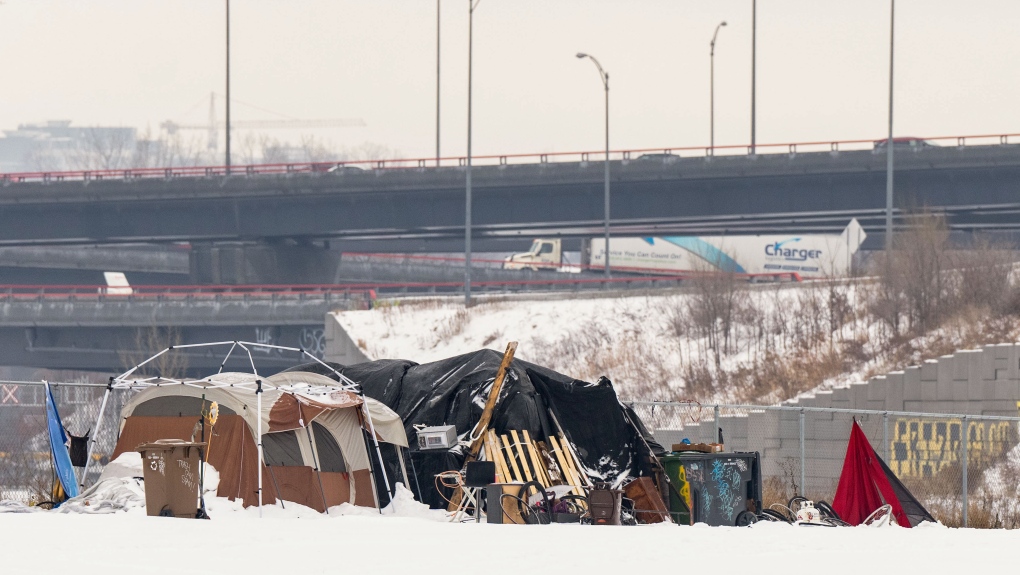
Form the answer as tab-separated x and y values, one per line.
453	392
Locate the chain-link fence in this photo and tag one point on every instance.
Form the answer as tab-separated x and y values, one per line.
972	482
26	466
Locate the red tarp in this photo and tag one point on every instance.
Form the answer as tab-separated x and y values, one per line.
864	485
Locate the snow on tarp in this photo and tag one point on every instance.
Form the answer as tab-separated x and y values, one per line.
453	391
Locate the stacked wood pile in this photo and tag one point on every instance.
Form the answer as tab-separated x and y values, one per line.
520	459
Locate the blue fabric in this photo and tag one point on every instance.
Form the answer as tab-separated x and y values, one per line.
61	458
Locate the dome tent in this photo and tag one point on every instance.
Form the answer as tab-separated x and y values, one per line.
318	435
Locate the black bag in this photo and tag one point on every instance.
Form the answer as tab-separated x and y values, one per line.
79	449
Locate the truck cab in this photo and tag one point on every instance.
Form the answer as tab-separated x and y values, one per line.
544	254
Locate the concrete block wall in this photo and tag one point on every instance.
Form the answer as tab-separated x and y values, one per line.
983	381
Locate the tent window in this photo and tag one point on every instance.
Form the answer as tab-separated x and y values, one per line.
331	458
176	406
281	449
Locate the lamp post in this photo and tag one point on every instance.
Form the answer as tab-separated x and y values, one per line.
889	142
711	89
472	4
438	11
754	65
228	89
605	83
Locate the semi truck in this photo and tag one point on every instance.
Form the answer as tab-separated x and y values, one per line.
790	255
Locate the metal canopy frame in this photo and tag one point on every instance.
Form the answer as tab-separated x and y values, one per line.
257	386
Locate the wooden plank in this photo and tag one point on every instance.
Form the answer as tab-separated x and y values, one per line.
520	451
575	465
568	474
479	429
500	460
539	465
518	476
489	452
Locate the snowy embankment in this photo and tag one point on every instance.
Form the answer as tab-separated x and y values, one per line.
649	345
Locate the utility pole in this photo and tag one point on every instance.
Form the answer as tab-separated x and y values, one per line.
438	11
889	143
472	4
754	64
228	89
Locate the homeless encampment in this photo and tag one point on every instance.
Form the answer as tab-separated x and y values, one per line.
867	483
314	434
610	441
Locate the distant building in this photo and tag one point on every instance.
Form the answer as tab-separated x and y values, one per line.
56	145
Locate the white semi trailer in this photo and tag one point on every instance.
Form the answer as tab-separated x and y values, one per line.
804	256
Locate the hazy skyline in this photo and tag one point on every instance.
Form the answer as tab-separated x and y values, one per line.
822	69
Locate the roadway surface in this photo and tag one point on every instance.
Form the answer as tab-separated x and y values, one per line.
976	185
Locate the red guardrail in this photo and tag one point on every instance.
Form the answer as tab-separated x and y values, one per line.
16	292
172	172
363	291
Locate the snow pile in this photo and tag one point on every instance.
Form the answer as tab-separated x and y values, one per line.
403	505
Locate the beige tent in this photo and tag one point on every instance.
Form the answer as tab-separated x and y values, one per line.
319	436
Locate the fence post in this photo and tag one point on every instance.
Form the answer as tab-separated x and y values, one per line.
715	428
885	435
803	474
964	463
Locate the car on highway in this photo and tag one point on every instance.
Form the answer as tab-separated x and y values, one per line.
905	143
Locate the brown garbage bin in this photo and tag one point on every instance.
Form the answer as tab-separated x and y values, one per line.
170	469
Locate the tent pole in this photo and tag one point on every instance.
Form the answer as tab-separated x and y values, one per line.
92	440
403	468
258	443
315	461
378	452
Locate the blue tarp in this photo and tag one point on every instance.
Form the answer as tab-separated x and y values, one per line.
58	441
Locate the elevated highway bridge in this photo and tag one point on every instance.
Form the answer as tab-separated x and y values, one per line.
414	204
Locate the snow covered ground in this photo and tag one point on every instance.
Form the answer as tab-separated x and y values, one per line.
241	543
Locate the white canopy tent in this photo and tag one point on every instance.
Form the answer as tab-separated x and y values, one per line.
282	402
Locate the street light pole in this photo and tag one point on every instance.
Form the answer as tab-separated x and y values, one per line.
889	142
228	88
472	4
711	90
437	81
754	65
605	82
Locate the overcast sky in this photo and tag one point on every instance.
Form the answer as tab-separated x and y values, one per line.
822	68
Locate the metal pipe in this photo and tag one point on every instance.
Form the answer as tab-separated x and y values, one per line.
95	434
754	64
228	90
604	76
885	435
472	4
965	464
889	142
438	12
711	90
258	431
803	473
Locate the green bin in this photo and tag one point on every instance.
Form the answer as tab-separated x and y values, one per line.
718	485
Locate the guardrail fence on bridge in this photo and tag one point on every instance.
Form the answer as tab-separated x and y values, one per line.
965	469
665	153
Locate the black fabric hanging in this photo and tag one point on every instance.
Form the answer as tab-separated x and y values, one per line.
79	449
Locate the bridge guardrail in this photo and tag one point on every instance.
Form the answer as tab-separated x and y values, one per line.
664	153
